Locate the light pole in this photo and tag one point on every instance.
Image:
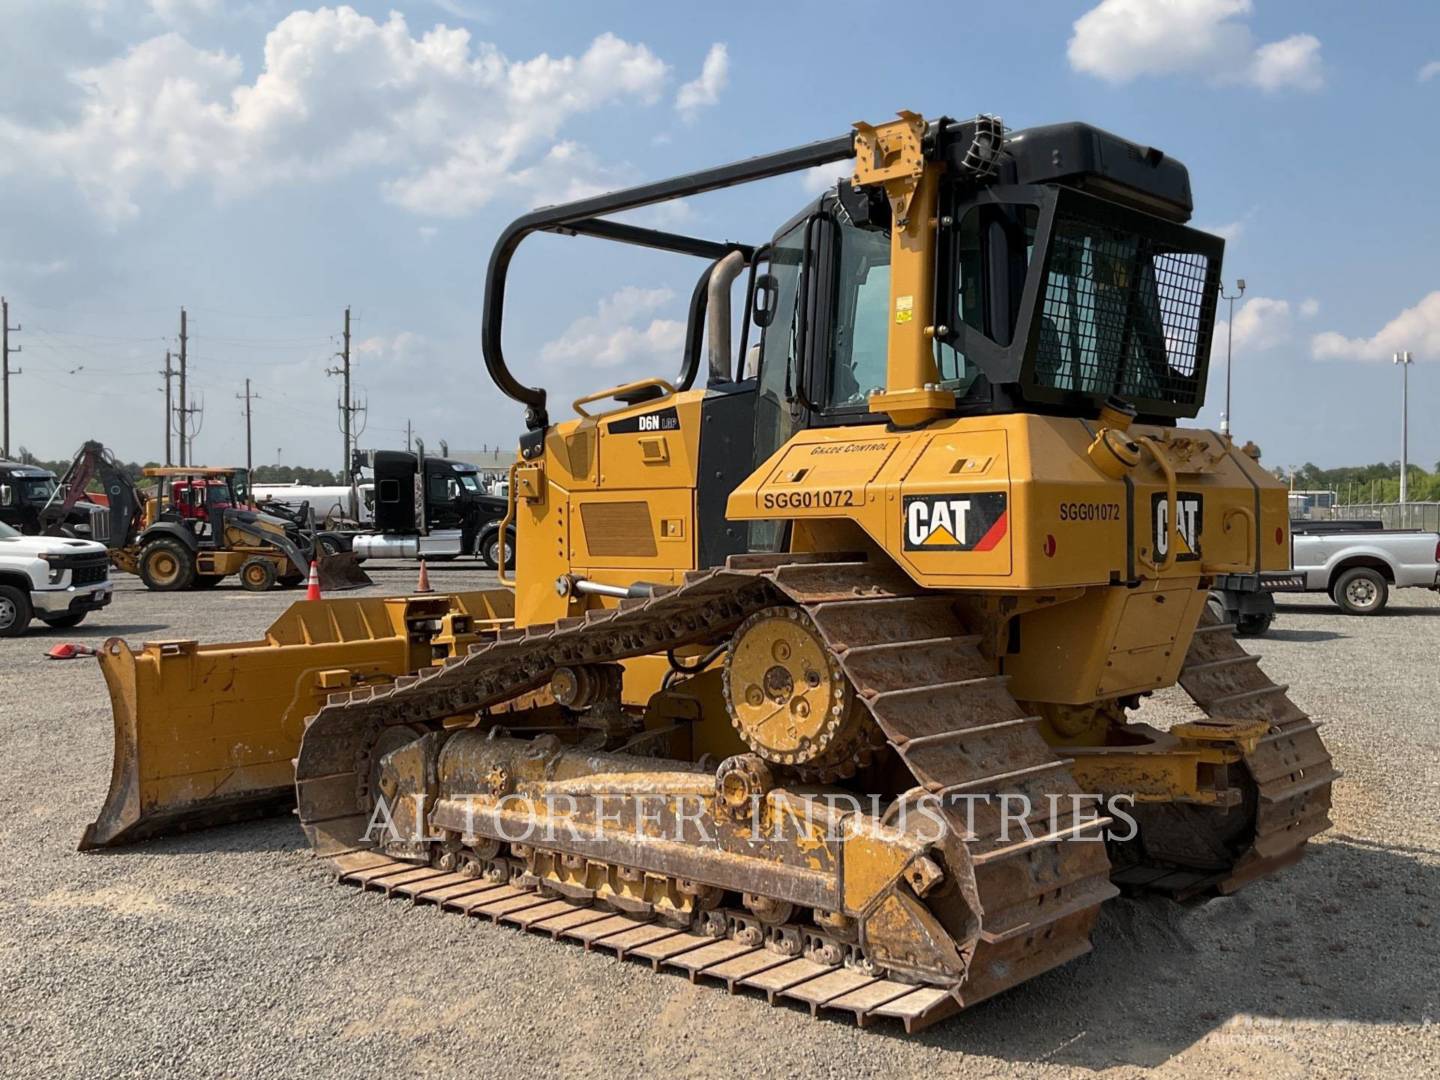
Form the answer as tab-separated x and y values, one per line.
1404	360
1229	341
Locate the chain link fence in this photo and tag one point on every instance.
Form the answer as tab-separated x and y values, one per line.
1411	515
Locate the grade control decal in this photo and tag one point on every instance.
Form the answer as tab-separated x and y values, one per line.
976	521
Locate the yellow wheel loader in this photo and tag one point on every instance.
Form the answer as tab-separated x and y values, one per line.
817	674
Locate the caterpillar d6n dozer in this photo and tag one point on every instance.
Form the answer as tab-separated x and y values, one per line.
816	679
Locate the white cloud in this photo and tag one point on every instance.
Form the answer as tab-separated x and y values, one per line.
1295	61
1229	232
1416	329
1121	40
1309	307
448	124
705	89
459	10
1429	71
174	11
619	335
1260	323
822	178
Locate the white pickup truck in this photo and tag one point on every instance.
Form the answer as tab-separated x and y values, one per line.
1358	566
51	578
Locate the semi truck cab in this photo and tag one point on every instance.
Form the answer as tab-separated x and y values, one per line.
24	492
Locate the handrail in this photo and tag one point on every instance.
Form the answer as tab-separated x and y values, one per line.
1172	528
582	217
624	388
1252	530
505	529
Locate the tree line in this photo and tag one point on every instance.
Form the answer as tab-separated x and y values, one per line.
262	474
1367	483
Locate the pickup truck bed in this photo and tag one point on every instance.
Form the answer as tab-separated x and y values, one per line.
1359	568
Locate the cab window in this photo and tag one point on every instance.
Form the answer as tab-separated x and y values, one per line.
993	245
774	423
859	342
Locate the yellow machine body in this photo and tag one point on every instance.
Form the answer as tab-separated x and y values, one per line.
1008	507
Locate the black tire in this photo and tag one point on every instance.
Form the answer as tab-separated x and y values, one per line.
66	621
1361	591
490	550
1216	603
1254	624
207	581
15	611
257	574
166	565
328	545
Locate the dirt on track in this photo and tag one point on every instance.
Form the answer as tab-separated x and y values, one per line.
230	951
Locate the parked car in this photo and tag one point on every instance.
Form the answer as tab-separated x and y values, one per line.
55	579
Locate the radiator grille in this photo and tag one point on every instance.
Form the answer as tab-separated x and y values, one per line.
89	575
620	529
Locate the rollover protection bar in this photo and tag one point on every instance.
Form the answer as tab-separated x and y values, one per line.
584	218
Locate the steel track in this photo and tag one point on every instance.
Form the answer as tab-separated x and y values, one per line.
1290	773
1039	882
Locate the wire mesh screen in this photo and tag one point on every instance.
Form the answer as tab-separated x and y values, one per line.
1122	314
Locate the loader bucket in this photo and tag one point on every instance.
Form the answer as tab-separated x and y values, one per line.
205	734
340	572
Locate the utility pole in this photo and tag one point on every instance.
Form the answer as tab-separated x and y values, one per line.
249	460
5	350
169	407
1404	360
187	434
345	458
1229	341
184	401
347	407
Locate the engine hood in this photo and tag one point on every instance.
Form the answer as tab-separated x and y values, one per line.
32	546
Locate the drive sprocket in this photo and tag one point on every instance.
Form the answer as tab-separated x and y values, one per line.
789	698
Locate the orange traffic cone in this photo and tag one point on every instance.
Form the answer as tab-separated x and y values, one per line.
423	585
312	591
69	651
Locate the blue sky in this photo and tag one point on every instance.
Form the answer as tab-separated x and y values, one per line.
265	165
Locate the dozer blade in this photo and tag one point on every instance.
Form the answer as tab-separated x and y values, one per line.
205	734
341	571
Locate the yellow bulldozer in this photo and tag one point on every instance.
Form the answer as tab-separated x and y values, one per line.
816	676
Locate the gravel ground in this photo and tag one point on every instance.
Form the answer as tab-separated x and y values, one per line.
230	953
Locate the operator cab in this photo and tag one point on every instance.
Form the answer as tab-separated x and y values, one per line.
1048	270
1064	277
